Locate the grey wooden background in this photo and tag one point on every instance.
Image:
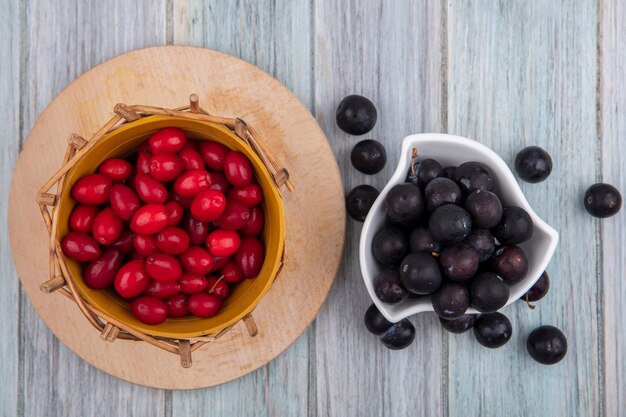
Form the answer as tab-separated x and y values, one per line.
507	73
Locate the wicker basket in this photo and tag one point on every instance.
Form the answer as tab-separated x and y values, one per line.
62	281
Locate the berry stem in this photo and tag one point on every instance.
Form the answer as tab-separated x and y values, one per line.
216	282
530	305
413	158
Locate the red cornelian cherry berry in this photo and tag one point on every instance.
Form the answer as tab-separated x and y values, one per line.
117	169
149	219
162	290
204	305
235	216
213	154
193	283
92	189
208	205
196	260
237	169
143	163
191	158
177	306
163	267
223	242
166	167
254	227
174	212
149	189
149	310
218	287
172	240
219	182
190	183
196	230
131	279
124	201
82	217
250	256
100	274
170	139
219	262
107	227
125	242
80	247
145	244
250	195
231	273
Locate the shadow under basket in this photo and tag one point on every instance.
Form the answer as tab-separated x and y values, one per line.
119	137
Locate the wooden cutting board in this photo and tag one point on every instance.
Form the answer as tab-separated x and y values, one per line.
315	215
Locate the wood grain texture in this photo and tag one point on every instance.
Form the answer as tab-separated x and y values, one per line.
524	73
391	53
276	37
62	40
10	68
613	230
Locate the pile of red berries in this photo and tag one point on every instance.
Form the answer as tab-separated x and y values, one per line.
170	228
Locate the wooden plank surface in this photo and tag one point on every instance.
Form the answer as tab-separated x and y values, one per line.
276	37
524	73
391	53
612	134
10	68
61	41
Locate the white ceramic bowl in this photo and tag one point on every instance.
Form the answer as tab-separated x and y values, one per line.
454	150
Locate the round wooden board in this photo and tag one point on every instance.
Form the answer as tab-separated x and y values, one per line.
227	86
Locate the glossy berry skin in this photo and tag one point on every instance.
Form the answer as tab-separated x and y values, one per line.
539	289
235	216
450	224
510	263
390	245
143	163
602	200
449	172
427	170
107	227
515	227
483	243
219	182
184	202
218	287
193	283
100	274
399	336
368	156
163	267
250	195
472	176
125	242
172	240
451	300
145	244
459	262
116	168
92	189
223	242
488	293
204	305
196	230
440	191
124	201
404	203
421	240
82	217
547	345
208	205
254	227
149	219
360	200
231	272
214	154
375	322
492	330
389	288
174	213
419	273
196	260
132	279
165	167
356	115
190	183
533	164
220	262
149	189
168	140
237	169
177	306
162	290
460	325
149	310
485	208
191	158
250	256
80	247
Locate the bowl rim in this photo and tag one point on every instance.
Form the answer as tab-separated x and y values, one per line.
504	176
190	126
